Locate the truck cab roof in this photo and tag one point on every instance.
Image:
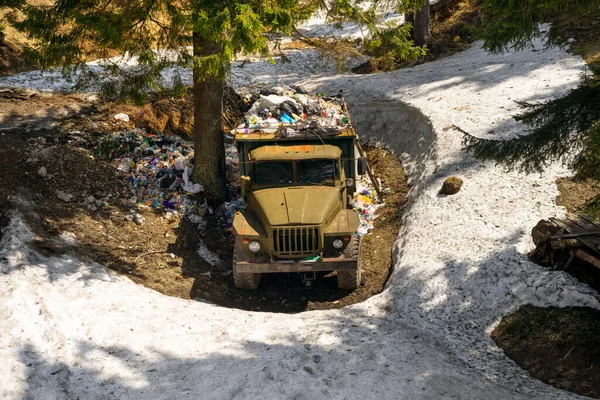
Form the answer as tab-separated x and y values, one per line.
295	152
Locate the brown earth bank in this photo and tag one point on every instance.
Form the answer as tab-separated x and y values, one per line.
556	346
162	253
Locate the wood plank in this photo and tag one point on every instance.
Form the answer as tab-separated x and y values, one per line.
570	226
560	223
580	222
587	257
590	220
574	235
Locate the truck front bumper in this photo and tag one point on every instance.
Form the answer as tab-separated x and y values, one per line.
323	264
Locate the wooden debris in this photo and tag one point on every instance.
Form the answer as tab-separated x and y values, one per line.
581	238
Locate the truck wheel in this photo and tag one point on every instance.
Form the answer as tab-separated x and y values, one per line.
350	279
243	280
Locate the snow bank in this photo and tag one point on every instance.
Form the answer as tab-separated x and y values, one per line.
72	330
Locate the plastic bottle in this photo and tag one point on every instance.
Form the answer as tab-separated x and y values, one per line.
286	119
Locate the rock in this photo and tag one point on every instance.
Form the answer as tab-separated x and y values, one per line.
45	154
128	203
543	230
69	238
43	172
451	185
66	197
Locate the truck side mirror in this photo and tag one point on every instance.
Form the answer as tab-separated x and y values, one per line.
245	181
362	165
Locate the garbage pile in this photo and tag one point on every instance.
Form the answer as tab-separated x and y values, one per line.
291	111
158	169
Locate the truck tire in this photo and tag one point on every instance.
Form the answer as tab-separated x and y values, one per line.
243	280
350	279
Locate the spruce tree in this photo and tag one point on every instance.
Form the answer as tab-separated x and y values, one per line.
422	32
565	129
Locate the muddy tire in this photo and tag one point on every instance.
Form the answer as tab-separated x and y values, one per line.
350	279
243	280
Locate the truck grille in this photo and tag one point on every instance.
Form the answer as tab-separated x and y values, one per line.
296	241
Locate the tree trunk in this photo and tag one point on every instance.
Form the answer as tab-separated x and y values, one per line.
421	27
209	157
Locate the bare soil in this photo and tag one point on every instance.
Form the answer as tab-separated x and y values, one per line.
557	346
579	195
162	253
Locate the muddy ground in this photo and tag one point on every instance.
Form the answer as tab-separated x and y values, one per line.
557	346
58	133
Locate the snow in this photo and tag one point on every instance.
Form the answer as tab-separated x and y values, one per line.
74	330
317	26
247	73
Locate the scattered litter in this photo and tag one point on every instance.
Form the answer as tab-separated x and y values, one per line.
228	210
196	219
125	165
158	170
139	219
122	117
207	255
365	203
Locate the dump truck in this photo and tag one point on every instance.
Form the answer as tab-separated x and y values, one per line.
298	180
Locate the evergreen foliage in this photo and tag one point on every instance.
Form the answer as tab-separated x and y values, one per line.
386	43
565	129
515	23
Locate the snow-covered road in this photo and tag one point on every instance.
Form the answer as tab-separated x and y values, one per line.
72	330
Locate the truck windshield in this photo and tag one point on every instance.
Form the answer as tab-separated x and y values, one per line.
273	172
316	171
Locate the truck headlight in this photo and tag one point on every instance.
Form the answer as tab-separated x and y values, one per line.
337	243
254	246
